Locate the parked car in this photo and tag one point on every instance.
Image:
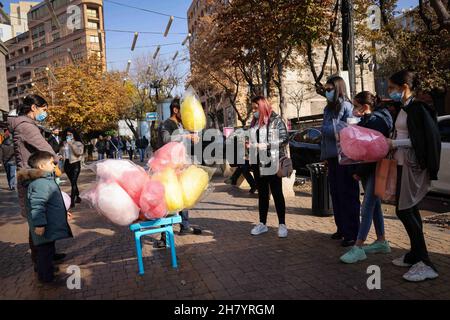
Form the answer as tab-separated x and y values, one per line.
305	149
443	184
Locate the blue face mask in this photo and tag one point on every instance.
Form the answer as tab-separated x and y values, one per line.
256	115
69	138
42	116
330	95
396	96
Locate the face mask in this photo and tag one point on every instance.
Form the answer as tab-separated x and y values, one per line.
256	115
42	116
396	96
330	95
69	138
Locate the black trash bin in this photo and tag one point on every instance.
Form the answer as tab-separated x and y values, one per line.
321	201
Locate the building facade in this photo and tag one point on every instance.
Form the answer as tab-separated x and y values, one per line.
77	33
4	105
18	13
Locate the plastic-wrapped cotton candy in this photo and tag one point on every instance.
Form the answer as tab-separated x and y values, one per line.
172	155
115	204
67	200
192	113
362	144
113	169
133	182
173	194
152	202
194	182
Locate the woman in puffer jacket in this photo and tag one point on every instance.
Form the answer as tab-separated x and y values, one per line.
269	138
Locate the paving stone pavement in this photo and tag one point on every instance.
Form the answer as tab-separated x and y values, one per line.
225	262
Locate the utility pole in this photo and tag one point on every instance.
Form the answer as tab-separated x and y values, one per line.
362	59
348	43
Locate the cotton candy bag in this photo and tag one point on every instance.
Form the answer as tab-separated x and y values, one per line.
194	181
356	144
152	202
192	113
129	176
173	193
173	155
363	144
111	200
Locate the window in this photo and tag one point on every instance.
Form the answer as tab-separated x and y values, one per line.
94	39
444	128
92	25
92	13
56	36
38	31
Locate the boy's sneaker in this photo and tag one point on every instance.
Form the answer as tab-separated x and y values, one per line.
420	272
400	262
259	229
378	247
282	231
354	255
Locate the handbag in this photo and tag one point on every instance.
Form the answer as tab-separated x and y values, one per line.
285	168
386	179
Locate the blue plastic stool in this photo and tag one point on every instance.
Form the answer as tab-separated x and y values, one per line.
152	227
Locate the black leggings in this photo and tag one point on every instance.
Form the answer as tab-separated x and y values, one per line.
73	172
412	222
276	188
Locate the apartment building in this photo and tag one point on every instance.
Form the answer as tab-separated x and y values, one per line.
73	30
18	15
3	86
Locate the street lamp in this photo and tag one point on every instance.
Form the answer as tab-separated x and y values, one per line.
362	59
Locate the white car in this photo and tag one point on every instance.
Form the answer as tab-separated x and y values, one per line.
443	184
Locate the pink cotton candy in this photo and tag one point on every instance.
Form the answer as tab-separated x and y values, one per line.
362	144
133	181
67	200
111	201
114	169
172	155
152	201
129	176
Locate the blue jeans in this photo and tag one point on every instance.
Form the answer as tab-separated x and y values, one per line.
10	168
371	210
142	154
101	156
185	219
120	154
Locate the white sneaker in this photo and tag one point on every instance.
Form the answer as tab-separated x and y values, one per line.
282	231
400	262
420	272
259	229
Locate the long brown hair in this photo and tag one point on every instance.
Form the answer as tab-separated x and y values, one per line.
340	92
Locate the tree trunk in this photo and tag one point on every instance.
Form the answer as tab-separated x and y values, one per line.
280	85
132	128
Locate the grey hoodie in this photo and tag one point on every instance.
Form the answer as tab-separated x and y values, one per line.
27	139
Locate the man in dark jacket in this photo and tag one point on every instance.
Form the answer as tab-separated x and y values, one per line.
9	160
141	145
54	141
101	148
168	133
46	211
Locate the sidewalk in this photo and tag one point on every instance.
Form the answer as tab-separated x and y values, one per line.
223	263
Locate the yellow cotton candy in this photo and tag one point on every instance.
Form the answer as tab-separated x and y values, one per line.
192	114
173	193
193	182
